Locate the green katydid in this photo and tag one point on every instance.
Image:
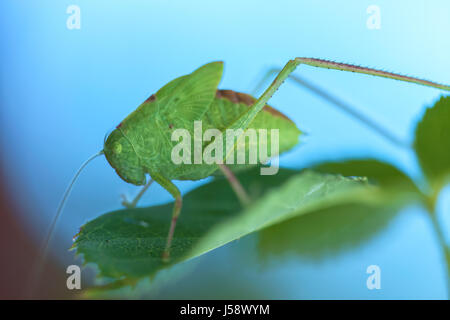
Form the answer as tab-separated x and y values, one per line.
141	144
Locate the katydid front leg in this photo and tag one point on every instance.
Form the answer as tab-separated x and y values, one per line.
133	203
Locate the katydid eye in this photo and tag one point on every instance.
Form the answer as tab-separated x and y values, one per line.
117	148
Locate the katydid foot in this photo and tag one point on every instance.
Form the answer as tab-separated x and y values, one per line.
133	203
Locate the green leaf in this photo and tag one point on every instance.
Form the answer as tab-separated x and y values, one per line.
302	194
432	143
380	173
326	232
128	244
331	230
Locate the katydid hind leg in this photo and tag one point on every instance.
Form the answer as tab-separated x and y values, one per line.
244	121
320	63
132	204
175	192
338	103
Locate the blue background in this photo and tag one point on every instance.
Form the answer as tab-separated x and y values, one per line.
62	90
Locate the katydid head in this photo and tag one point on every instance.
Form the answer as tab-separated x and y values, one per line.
122	157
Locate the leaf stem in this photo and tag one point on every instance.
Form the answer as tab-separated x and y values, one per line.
443	245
